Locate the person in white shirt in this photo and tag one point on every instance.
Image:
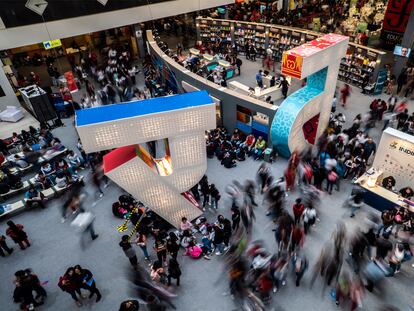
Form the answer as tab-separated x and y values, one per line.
330	164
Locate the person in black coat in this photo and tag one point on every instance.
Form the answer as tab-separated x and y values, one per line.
235	217
174	271
205	190
84	279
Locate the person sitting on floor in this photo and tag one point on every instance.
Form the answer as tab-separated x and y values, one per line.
41	182
34	198
228	161
74	160
248	144
61	180
259	148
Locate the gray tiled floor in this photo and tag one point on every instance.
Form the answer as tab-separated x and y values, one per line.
56	246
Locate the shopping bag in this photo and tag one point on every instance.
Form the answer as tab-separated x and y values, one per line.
82	221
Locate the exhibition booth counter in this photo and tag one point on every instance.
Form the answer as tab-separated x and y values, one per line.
235	109
379	197
360	65
388	182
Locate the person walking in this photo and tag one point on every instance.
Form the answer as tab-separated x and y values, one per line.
17	234
259	78
298	208
235	218
67	283
239	64
84	279
345	92
141	241
285	86
129	251
174	271
4	246
215	196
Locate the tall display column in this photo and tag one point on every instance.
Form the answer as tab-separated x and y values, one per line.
7	95
138	32
407	42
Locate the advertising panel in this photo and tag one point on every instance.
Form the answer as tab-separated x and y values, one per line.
395	21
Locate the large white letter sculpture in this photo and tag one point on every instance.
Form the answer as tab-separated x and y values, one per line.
304	115
182	119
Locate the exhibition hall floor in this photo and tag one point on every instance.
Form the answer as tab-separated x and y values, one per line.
204	285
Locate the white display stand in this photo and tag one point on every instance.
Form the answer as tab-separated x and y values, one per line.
11	114
395	157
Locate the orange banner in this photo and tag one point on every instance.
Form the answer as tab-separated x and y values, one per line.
292	65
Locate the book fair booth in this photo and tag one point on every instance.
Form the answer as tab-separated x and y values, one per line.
388	182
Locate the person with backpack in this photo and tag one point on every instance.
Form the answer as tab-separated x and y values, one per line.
331	179
309	218
67	283
215	195
17	234
174	271
84	279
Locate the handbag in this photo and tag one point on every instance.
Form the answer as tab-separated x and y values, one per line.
82	221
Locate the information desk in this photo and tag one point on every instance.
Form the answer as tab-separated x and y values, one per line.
380	198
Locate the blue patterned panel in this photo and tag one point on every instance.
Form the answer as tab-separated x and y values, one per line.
290	109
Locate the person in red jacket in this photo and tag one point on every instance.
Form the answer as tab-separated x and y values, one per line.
17	234
298	209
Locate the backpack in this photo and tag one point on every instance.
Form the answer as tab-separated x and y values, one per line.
332	176
195	252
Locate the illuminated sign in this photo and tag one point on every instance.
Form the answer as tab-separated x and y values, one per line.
52	44
158	183
304	115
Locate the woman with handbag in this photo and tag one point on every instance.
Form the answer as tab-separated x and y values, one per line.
84	279
67	283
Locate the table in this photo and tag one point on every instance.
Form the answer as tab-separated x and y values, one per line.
380	198
194	51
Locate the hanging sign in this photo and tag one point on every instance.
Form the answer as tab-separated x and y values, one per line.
52	44
37	6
